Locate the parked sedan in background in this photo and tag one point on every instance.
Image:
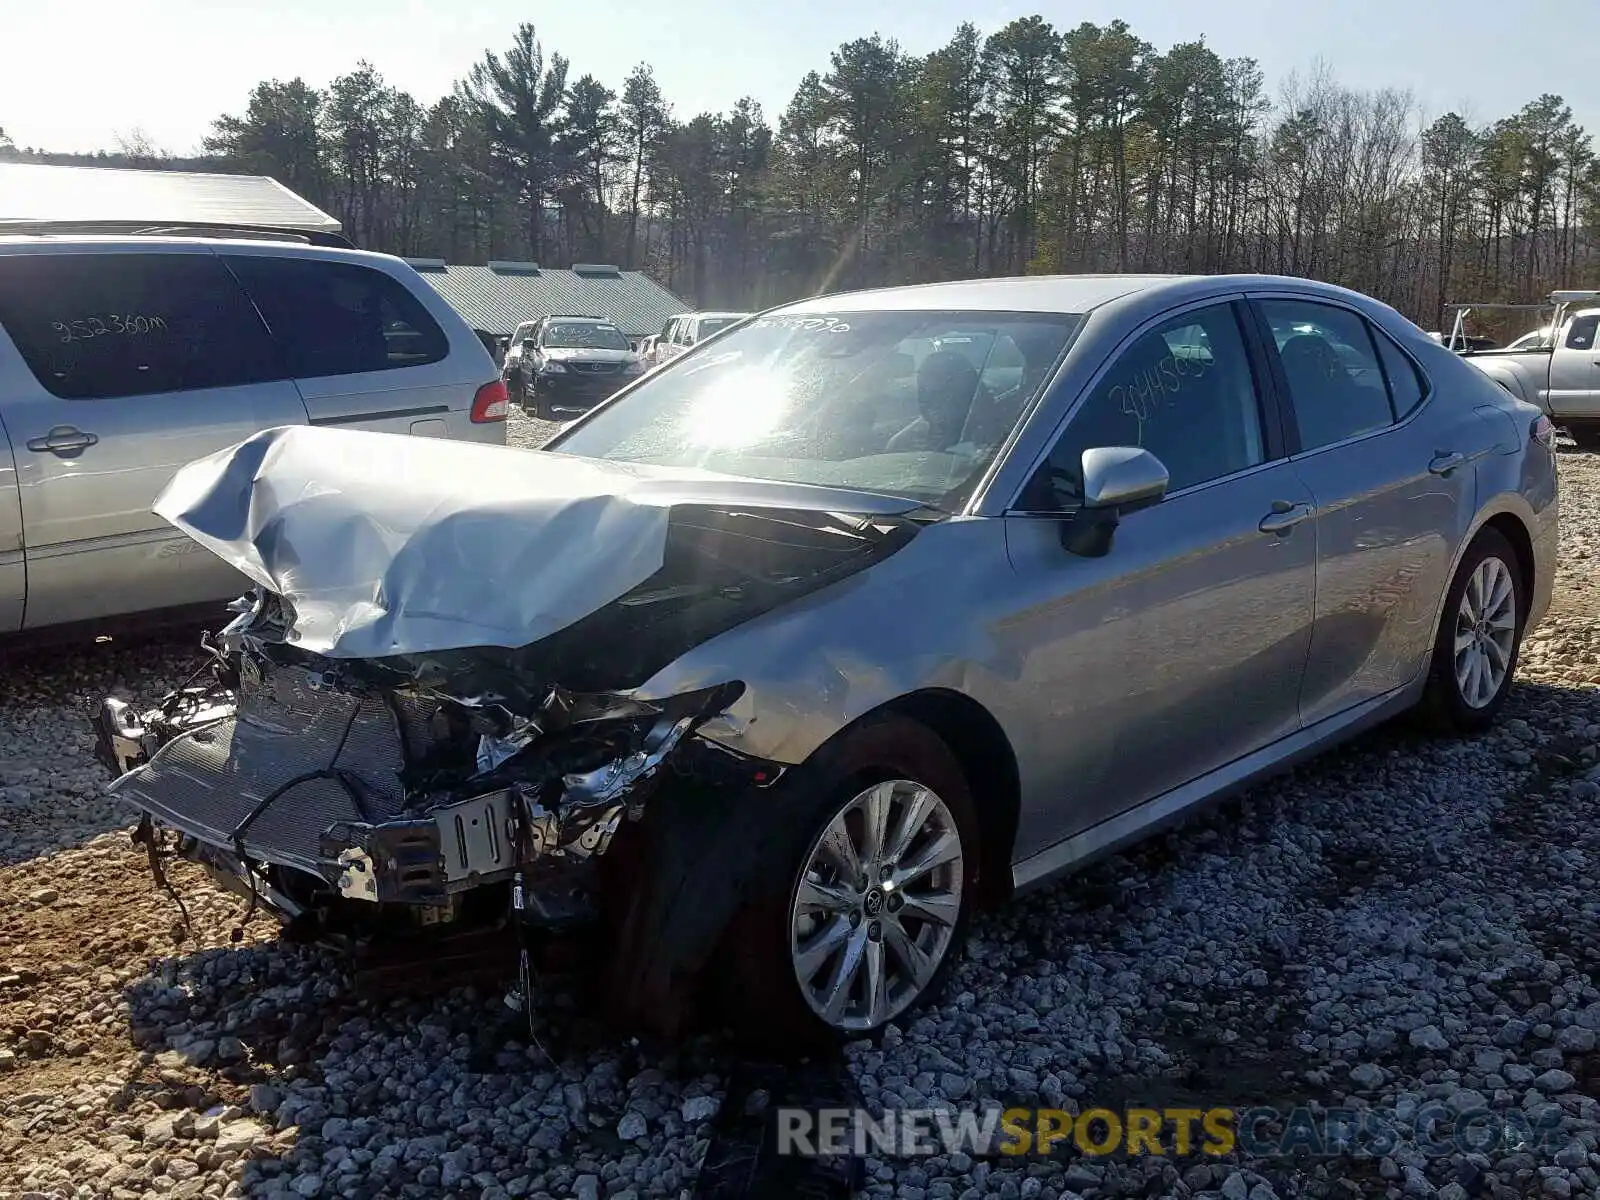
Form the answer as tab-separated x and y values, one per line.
123	358
891	605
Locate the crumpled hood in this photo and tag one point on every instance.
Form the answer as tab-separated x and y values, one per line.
387	544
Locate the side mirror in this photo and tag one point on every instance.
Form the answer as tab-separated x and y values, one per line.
1126	478
1116	480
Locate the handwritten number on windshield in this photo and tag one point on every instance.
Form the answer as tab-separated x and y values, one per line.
807	324
88	328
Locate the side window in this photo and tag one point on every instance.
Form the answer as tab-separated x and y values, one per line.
334	318
1406	385
97	326
1334	378
1184	391
1581	335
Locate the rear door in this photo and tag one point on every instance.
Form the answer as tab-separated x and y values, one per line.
1575	368
119	367
1376	450
13	570
362	348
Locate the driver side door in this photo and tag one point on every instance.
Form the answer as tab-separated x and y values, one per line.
1180	650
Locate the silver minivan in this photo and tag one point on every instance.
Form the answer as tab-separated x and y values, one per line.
122	358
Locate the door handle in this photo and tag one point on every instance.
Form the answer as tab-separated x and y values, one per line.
65	440
1445	461
1285	515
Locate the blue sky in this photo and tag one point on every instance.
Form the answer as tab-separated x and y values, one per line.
168	66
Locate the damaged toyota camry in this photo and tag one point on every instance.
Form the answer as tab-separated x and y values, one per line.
869	612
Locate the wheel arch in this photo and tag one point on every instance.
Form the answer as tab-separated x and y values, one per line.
989	764
1509	520
1515	532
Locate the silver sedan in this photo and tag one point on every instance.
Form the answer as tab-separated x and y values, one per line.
925	596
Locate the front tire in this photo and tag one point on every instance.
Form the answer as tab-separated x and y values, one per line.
541	409
1479	638
862	892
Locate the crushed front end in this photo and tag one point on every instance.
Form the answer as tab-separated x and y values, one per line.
427	712
355	798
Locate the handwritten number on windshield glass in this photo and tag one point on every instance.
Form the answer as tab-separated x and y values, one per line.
808	324
88	328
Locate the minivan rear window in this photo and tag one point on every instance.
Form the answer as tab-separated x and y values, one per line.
336	318
96	326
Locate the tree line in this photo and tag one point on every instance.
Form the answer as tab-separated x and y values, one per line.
1032	149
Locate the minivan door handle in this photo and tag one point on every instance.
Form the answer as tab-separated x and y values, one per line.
1285	515
67	441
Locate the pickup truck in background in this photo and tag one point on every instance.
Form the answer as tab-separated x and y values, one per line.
1561	376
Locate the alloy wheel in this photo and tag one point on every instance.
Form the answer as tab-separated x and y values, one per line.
874	910
1486	630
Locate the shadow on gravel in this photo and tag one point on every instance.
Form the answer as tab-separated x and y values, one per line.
296	1059
1241	1042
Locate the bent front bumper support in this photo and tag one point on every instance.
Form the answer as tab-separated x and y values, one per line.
235	786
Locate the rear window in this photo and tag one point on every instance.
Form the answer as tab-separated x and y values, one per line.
97	326
335	318
1406	385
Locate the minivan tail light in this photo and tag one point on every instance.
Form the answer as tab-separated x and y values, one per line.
491	403
1544	432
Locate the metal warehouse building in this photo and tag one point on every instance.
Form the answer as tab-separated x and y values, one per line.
500	296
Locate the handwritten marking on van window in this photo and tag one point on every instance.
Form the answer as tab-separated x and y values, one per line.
1139	396
88	328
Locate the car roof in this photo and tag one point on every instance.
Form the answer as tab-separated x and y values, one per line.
1057	293
60	243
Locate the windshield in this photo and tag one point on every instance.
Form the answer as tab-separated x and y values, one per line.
583	335
912	404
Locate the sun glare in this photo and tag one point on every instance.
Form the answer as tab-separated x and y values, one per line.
741	407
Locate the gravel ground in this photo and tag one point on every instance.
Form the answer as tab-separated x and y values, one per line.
1404	921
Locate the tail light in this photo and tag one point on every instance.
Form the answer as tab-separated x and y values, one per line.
491	403
1544	432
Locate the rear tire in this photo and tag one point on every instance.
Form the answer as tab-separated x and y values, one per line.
1479	640
1585	437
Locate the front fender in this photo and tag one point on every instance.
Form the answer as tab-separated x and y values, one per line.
923	618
